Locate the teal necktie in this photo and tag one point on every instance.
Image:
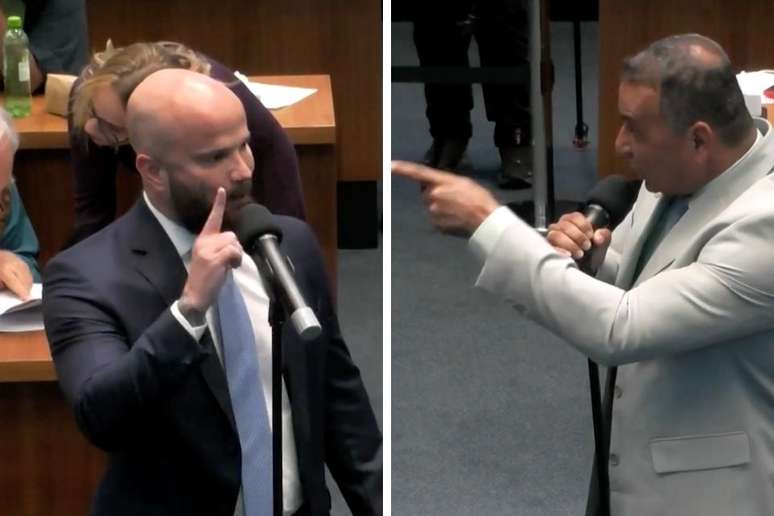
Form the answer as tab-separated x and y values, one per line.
240	360
667	218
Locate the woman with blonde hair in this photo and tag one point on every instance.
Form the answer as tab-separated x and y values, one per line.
99	142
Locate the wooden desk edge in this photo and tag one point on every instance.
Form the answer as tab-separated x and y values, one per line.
299	135
25	357
27	371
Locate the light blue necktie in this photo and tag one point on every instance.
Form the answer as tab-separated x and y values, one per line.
241	363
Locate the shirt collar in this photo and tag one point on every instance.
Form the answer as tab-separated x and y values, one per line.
181	238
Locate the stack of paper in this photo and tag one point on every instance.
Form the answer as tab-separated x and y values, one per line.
18	315
273	96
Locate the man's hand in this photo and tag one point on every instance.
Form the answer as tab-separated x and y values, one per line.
457	205
572	235
213	255
15	275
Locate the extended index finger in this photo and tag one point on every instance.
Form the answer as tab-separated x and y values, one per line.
418	172
215	219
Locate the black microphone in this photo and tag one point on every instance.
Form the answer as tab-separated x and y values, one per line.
607	205
259	235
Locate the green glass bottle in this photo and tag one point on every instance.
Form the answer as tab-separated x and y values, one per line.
16	69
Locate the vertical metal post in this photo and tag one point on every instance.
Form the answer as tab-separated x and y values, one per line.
539	171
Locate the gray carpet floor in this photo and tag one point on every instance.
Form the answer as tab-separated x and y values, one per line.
490	412
360	317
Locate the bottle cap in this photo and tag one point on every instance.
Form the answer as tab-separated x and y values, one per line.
14	22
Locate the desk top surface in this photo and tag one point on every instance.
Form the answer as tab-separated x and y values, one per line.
311	121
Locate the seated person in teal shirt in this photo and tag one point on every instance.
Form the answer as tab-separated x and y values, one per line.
18	243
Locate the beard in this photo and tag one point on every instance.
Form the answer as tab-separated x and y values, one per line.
193	204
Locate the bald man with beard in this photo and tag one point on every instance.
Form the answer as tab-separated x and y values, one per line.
131	315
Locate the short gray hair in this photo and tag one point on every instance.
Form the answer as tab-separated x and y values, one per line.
8	130
692	88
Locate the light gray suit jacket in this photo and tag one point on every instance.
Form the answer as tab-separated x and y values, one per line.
693	418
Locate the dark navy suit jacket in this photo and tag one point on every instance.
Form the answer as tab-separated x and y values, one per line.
157	400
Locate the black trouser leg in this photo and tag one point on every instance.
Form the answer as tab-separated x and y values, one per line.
502	33
442	39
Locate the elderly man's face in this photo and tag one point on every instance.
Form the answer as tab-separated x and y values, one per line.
655	152
205	157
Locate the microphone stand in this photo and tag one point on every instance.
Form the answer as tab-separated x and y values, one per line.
600	439
276	321
600	421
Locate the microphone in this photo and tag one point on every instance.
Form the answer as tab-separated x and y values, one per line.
259	235
607	205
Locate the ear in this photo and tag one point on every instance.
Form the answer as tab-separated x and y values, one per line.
150	172
702	136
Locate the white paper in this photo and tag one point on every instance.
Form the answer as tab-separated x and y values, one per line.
30	319
753	84
10	303
274	96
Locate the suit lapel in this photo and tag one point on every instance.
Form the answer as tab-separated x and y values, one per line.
646	213
215	376
156	259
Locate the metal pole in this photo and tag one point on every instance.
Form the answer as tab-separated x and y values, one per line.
539	171
581	129
277	321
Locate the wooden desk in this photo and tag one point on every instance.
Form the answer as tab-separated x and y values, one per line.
44	177
47	467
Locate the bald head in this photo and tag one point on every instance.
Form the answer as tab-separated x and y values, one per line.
696	82
171	105
191	137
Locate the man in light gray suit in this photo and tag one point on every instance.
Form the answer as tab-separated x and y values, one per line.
684	299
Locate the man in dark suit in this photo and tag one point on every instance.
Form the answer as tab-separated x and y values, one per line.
133	315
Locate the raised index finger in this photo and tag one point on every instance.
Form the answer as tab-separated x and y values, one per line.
215	218
418	172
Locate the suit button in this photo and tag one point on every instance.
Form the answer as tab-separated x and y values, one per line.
618	391
613	459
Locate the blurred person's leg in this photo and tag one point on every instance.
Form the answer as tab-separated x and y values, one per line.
442	37
502	33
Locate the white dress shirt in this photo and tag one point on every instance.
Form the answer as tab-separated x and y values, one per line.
256	299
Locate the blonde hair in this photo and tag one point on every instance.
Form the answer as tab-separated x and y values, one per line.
124	68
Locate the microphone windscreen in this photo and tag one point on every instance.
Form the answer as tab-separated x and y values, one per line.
254	221
616	194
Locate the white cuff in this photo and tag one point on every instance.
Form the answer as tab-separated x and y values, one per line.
194	331
488	233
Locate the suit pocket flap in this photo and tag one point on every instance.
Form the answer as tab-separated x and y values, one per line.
697	452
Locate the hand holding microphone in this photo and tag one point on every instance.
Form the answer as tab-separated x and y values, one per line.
586	236
573	235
